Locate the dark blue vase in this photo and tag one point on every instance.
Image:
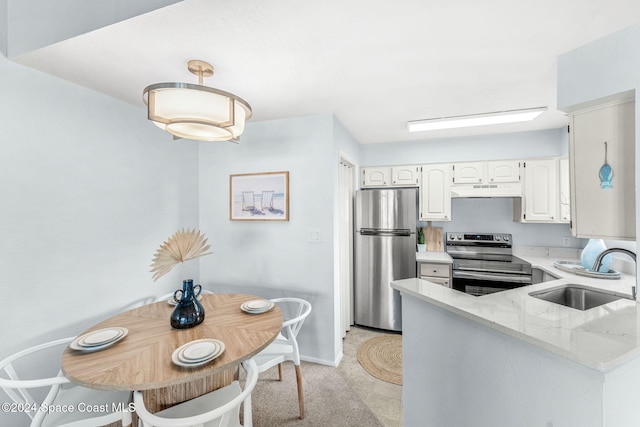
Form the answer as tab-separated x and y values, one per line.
188	312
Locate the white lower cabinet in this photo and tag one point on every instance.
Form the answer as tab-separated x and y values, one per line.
435	192
435	272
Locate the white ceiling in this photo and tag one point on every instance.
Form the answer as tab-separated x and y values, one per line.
374	64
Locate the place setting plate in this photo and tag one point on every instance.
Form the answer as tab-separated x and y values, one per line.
197	353
99	340
257	306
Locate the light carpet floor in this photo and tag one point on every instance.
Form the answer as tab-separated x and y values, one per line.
329	399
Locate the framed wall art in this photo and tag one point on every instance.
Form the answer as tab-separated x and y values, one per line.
259	196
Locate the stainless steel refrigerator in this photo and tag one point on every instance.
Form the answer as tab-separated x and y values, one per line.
385	250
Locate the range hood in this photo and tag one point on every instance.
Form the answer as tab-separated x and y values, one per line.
506	189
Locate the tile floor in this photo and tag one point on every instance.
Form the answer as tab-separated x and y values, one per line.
383	398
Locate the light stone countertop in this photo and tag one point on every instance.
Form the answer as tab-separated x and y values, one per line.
435	257
603	338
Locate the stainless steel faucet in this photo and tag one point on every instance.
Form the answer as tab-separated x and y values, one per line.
598	263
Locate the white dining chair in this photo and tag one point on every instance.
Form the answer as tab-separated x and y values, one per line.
104	407
218	408
285	346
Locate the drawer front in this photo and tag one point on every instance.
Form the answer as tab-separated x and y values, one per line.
438	280
437	270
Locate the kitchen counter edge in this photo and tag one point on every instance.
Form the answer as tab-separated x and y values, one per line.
603	338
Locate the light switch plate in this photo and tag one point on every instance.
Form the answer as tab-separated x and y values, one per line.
315	235
566	242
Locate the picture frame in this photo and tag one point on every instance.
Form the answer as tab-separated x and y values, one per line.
260	196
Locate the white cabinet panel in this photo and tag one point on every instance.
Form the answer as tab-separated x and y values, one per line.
468	173
597	212
565	197
540	190
497	171
390	176
375	176
503	171
435	272
435	192
405	176
545	196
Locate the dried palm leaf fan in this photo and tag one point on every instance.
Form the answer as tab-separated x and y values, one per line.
182	246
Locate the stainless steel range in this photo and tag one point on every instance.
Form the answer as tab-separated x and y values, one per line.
483	263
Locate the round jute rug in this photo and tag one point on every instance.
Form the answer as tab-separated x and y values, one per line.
382	357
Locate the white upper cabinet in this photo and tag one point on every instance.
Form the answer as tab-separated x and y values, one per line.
468	173
540	190
390	176
375	176
492	172
599	210
545	195
503	171
435	192
497	178
405	176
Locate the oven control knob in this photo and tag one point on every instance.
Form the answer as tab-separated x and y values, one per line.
497	238
452	236
505	238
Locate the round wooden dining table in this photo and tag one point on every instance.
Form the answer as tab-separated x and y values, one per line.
142	360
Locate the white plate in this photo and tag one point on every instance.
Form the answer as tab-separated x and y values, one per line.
176	359
244	307
77	345
257	304
99	337
198	351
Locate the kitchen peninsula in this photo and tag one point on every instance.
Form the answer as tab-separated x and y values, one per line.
509	359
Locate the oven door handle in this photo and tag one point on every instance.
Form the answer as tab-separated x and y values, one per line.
491	277
486	270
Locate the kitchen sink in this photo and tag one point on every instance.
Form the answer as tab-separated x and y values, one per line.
576	296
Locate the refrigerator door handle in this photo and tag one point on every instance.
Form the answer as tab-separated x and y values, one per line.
378	232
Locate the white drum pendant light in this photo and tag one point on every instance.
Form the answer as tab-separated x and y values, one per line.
195	111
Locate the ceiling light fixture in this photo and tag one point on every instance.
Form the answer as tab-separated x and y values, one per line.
196	111
498	117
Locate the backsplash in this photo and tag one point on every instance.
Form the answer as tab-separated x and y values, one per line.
564	254
495	215
623	265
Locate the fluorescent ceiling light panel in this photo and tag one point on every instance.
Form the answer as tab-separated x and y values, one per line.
496	118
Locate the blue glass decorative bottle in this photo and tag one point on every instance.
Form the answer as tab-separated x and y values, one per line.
188	312
590	253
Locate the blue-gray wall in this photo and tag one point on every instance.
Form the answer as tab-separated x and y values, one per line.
600	70
90	189
274	259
